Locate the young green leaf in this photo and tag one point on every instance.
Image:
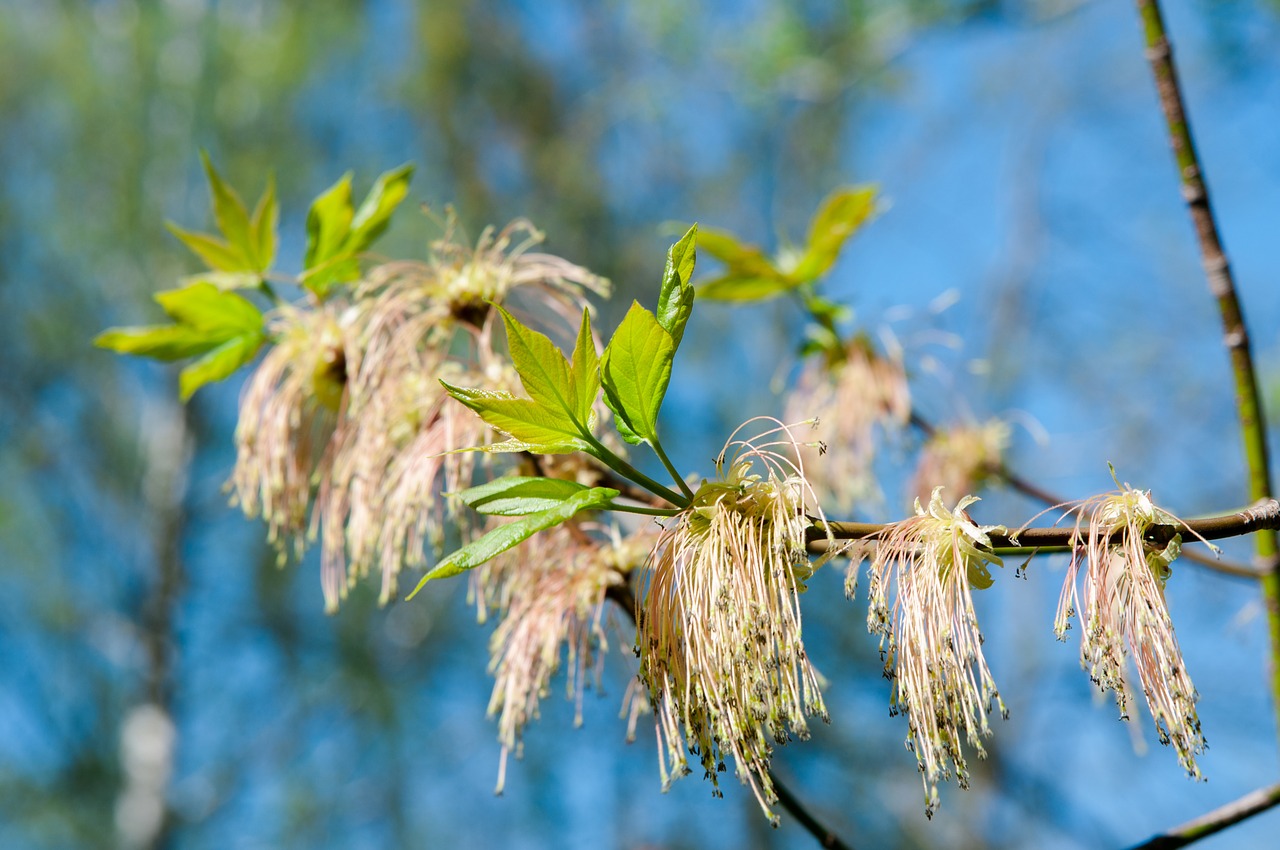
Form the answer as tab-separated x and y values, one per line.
732	287
635	371
543	370
328	225
230	213
586	373
223	328
263	226
518	495
532	427
675	299
218	363
216	254
512	534
375	211
839	217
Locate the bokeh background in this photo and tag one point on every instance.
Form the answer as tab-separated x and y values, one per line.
163	684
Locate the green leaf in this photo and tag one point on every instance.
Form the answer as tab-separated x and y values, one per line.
518	495
328	226
533	428
375	211
159	342
217	254
838	218
218	363
675	299
263	226
585	370
230	213
731	287
635	371
205	307
224	329
543	370
512	534
740	258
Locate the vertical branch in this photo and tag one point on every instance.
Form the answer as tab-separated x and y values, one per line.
1222	288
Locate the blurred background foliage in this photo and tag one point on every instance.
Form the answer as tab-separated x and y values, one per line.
163	684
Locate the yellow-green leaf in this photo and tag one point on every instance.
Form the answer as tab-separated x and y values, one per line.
635	371
675	299
229	212
217	254
263	226
733	287
532	427
375	211
839	217
585	370
519	495
543	370
512	534
218	363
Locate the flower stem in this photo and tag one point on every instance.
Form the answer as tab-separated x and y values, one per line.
1223	289
626	470
666	461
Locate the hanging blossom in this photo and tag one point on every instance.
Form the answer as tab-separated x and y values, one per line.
929	635
961	458
348	407
288	413
1126	558
849	400
719	626
550	593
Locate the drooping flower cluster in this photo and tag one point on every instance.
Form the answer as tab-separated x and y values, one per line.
850	399
344	429
719	626
928	565
550	591
1126	555
961	458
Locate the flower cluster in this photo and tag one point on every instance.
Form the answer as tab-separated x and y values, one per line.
1125	557
961	459
345	430
849	400
719	625
929	635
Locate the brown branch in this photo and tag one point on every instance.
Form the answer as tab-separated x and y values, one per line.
1255	802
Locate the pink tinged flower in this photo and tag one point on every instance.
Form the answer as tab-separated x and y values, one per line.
287	414
851	400
1126	559
550	592
719	626
962	458
923	570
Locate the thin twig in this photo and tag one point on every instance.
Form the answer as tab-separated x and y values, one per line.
626	600
1037	493
1255	802
1223	289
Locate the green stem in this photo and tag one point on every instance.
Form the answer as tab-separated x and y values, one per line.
666	461
1223	289
626	470
638	509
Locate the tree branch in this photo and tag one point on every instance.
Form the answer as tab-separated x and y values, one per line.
1195	192
1255	802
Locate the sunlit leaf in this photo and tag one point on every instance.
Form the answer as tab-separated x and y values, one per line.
675	299
585	370
740	258
328	225
635	371
206	307
519	496
217	254
543	370
159	342
229	212
531	426
513	533
218	363
375	211
732	287
838	218
263	226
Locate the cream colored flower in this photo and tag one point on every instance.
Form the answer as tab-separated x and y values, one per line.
849	399
719	627
1126	556
960	459
929	635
